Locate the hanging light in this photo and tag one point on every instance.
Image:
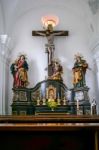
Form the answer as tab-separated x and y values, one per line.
49	20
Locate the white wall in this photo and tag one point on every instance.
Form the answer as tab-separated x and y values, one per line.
1	20
1	86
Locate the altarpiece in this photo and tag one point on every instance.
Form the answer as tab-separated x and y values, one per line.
50	96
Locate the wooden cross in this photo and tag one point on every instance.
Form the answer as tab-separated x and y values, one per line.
50	34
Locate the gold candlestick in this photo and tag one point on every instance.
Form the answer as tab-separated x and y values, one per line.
44	101
38	101
58	101
64	101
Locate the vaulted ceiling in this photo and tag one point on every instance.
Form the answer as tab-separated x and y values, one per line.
12	10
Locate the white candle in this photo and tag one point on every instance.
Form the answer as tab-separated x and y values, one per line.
91	109
40	95
58	95
77	104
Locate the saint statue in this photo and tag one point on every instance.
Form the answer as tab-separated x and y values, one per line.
79	71
19	71
57	71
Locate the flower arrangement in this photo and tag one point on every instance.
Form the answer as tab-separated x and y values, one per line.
52	104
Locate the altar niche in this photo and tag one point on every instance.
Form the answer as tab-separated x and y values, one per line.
49	46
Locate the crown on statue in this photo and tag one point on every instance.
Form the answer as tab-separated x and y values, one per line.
78	55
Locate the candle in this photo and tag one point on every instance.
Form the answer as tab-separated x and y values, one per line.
91	109
40	95
77	104
58	95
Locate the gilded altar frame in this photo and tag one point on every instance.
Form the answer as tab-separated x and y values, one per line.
51	92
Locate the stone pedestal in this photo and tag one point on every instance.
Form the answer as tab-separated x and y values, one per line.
81	94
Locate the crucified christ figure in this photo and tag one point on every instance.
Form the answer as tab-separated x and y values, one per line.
49	34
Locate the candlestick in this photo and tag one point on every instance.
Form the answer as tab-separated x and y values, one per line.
38	101
58	100
58	95
64	101
91	110
44	101
40	95
77	104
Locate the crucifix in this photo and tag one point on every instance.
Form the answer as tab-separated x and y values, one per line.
50	47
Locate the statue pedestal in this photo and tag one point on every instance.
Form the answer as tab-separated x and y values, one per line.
81	94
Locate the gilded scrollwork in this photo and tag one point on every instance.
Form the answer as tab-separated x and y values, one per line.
22	96
15	96
35	95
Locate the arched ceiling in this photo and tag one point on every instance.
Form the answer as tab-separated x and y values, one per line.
12	9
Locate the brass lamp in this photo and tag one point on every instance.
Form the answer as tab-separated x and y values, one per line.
49	22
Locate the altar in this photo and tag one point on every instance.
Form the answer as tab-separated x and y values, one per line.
37	100
50	96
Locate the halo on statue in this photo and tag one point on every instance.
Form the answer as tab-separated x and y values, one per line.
22	54
78	55
57	60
